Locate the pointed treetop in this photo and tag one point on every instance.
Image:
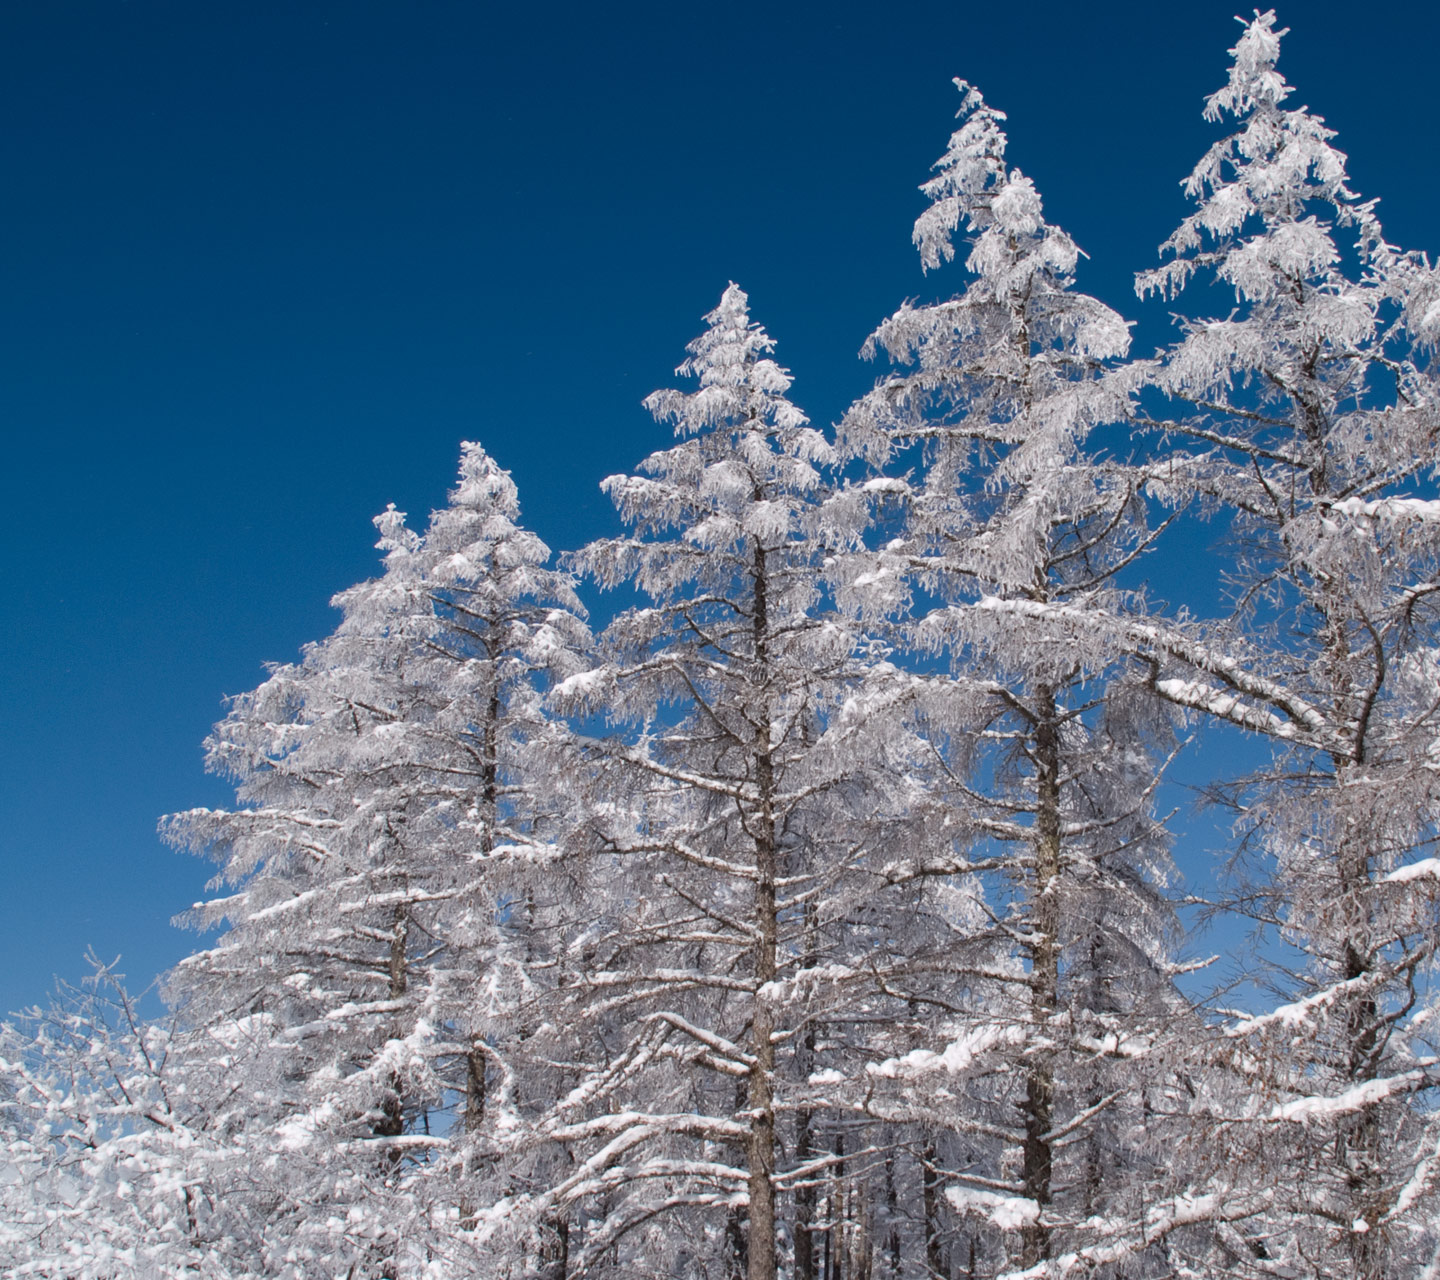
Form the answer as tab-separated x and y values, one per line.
1019	334
478	531
396	539
484	484
731	360
972	167
1253	78
746	469
1023	267
376	604
1273	169
1000	207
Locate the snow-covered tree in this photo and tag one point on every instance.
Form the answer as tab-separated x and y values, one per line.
506	626
1014	539
1308	419
737	829
318	978
113	1161
393	819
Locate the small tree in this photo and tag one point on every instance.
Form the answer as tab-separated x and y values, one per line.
115	1160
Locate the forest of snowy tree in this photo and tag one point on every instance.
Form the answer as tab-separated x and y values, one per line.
816	916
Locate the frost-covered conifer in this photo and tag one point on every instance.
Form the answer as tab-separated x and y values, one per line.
1014	538
506	626
393	822
1308	419
736	831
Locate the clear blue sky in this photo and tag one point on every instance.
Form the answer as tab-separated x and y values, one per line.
264	265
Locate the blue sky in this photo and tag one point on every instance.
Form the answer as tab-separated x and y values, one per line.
264	265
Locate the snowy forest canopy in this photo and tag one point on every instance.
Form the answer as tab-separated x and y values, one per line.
816	918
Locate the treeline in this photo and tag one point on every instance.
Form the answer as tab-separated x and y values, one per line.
816	918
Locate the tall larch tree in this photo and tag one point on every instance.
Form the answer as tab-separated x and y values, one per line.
1308	419
393	792
1015	539
506	625
736	819
313	998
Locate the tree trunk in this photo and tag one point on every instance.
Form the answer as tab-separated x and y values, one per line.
760	1148
1358	1142
392	1119
835	1236
804	1222
474	1119
862	1237
555	1249
805	1195
930	1197
1039	1105
475	1062
892	1213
